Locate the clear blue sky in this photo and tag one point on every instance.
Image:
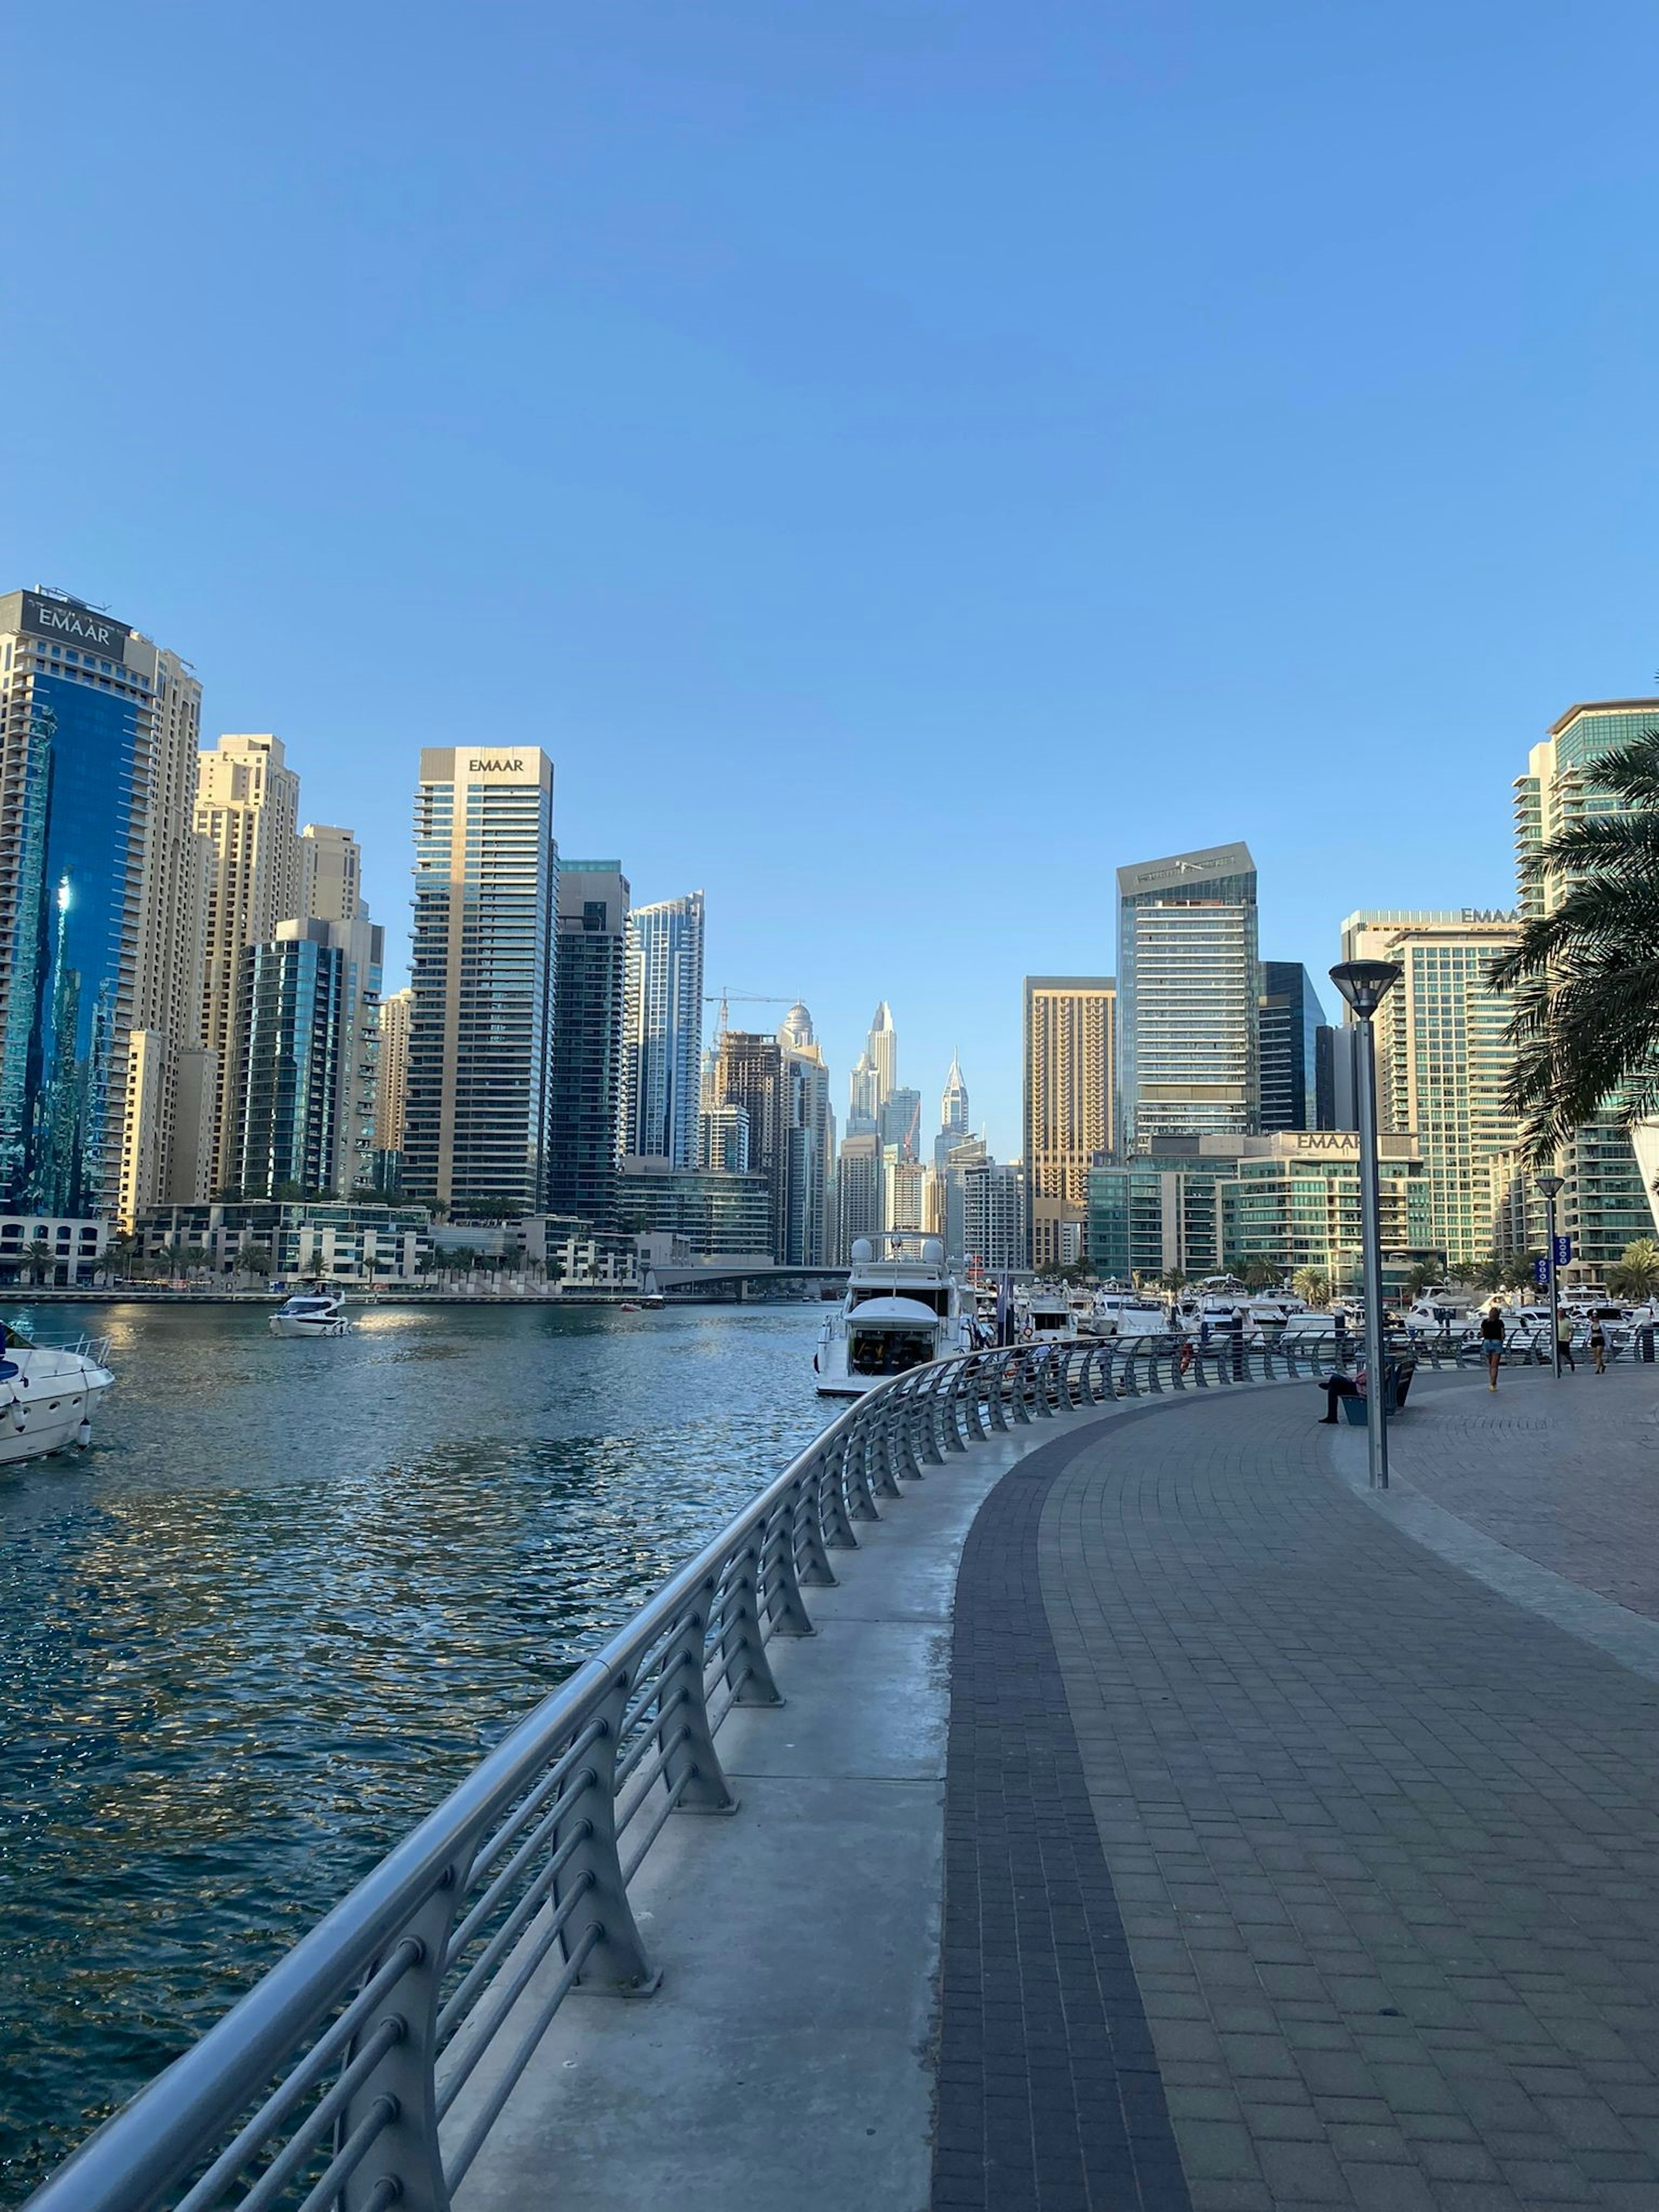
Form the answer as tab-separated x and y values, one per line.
901	460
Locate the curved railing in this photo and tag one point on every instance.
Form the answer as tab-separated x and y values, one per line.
367	2067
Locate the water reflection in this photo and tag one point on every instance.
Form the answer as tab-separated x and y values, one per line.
289	1595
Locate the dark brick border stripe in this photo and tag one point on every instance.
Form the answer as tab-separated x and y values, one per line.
1049	2097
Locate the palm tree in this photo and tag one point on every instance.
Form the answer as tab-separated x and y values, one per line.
1424	1276
1635	1275
1173	1280
39	1258
1487	1274
1585	975
1312	1285
1259	1276
1520	1270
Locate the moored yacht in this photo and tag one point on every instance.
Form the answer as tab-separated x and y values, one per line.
1048	1317
311	1313
47	1393
900	1311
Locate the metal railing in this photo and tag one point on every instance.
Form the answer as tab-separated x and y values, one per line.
367	2067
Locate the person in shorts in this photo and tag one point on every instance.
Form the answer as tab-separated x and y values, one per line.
1491	1342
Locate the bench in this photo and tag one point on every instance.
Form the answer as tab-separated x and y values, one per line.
1396	1384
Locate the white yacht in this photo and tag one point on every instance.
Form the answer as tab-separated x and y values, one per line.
1127	1313
1445	1313
47	1393
899	1312
311	1313
1049	1316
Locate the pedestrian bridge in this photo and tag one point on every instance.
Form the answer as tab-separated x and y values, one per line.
1065	1785
738	1274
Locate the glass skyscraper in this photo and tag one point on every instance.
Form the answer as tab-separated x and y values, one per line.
100	908
662	1036
482	978
1188	988
1290	1019
588	1042
293	1015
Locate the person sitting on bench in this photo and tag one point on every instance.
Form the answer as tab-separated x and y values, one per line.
1340	1386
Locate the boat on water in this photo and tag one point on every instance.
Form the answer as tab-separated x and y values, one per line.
900	1311
1048	1317
48	1393
312	1313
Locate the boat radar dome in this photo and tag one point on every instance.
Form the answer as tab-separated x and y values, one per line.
863	1251
933	1252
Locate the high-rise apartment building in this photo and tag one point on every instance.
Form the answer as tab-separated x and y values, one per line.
101	884
588	1042
331	887
809	1140
1442	1063
953	1120
859	1189
900	1120
662	1035
1290	1019
247	809
994	1225
723	1139
1069	1030
863	1098
293	1019
393	1078
881	1049
482	974
1188	984
904	1186
751	1073
1607	1203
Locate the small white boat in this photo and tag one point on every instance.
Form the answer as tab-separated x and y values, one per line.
47	1393
1048	1317
899	1312
311	1313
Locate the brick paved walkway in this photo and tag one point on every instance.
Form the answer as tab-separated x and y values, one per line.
1382	1843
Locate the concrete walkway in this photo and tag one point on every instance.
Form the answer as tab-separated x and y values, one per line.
1381	1840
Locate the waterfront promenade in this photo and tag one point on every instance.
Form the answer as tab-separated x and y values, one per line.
1218	1836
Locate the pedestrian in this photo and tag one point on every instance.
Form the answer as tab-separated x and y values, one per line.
1564	1340
1491	1341
1598	1346
1338	1385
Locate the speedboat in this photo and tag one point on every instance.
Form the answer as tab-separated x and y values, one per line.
311	1313
899	1312
47	1393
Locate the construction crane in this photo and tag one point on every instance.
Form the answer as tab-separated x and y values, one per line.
744	999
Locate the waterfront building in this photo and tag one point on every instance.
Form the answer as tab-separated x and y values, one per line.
1189	986
102	880
332	873
994	1226
723	1139
356	1242
1607	1203
585	1106
247	810
1289	1018
861	1208
904	1192
392	1085
900	1121
1443	1061
290	1017
966	1152
1068	1026
751	1073
810	1142
662	1035
483	966
1205	1205
51	1250
717	1216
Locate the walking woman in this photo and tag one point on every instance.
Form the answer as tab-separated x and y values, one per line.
1563	1341
1598	1343
1491	1341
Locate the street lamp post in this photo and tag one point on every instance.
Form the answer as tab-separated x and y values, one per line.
1364	984
1551	1185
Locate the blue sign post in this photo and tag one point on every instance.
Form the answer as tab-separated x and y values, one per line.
1541	1271
1563	1250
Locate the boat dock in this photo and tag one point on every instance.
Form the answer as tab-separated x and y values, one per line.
1153	1817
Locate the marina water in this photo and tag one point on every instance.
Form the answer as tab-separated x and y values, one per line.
284	1602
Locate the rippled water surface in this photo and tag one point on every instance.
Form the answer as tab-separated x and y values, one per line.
285	1601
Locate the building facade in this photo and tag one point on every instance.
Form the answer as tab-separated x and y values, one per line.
861	1205
102	880
662	1037
292	1017
1606	1204
954	1121
247	812
586	1108
1069	1029
482	978
1443	1061
393	1081
994	1226
716	1216
1290	1020
809	1143
1190	989
360	1242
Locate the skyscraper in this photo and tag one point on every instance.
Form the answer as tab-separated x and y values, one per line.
1188	984
751	1073
881	1048
247	809
393	1081
1290	1018
900	1121
101	882
995	1228
810	1142
953	1120
1607	1203
331	887
588	1042
1443	1061
1068	1031
481	963
859	1189
292	1018
662	1035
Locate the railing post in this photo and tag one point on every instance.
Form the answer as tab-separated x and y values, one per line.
1131	1386
404	2164
683	1735
1153	1385
1014	1377
970	1412
860	1492
743	1662
785	1608
838	1533
1031	1373
808	1532
884	1443
949	1387
996	1395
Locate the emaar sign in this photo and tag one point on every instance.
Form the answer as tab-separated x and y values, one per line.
74	625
